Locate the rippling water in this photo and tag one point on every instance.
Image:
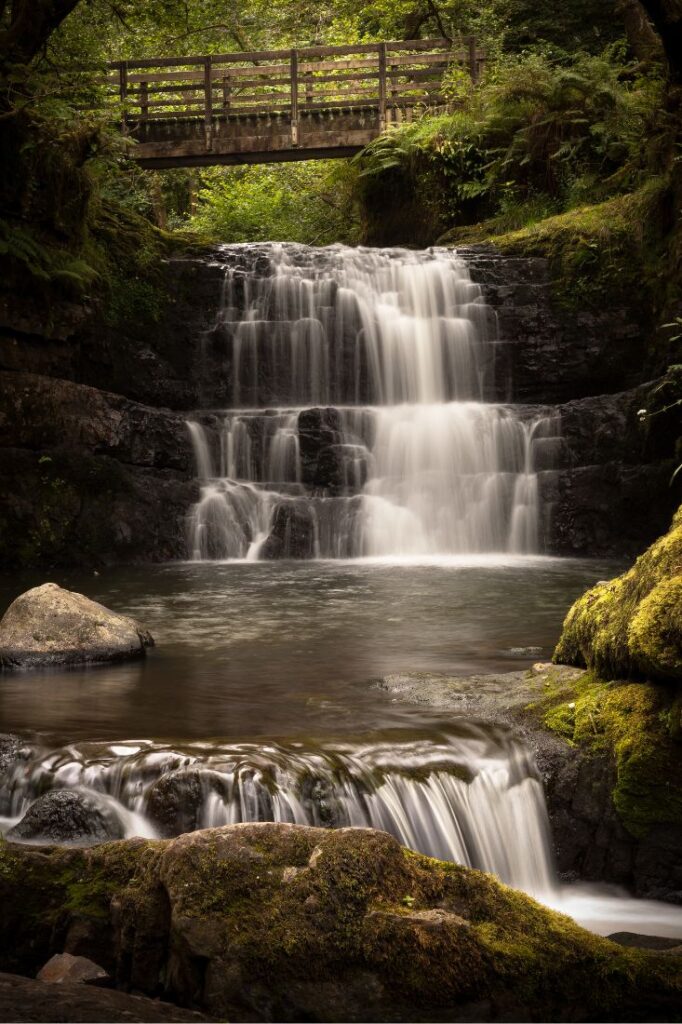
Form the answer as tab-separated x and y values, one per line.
285	649
264	680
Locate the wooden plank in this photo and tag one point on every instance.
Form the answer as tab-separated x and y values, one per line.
360	63
382	86
294	98
208	102
419	44
424	58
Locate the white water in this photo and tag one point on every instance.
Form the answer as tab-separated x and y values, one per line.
472	797
396	347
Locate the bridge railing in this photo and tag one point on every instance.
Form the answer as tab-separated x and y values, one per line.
391	77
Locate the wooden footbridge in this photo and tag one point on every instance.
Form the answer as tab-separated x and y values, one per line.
276	105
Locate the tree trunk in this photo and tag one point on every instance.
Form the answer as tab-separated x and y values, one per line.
666	18
644	41
31	24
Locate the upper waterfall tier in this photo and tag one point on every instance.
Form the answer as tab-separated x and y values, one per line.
357	424
341	326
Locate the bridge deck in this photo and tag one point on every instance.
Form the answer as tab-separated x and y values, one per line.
276	105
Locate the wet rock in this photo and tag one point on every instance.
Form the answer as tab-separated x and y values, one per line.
231	920
25	999
68	817
176	800
63	967
293	532
9	750
48	626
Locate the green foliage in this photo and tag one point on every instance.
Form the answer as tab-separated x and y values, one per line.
299	202
539	136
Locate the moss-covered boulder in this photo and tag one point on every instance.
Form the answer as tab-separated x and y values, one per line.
635	728
281	922
631	627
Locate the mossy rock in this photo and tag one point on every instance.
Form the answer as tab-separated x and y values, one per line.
281	922
631	627
637	726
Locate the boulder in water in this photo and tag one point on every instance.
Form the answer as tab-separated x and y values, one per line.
67	817
176	800
293	532
48	626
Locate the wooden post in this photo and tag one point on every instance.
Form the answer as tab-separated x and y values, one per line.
123	90
309	88
473	65
294	97
226	93
208	102
144	101
382	86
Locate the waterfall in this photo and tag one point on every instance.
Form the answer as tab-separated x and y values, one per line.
358	425
474	798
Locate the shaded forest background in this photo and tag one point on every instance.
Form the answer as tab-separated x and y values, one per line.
572	139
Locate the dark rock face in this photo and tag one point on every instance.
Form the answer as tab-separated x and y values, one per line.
548	353
89	477
66	816
274	922
590	840
9	751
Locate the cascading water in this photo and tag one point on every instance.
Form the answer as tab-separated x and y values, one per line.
473	797
358	425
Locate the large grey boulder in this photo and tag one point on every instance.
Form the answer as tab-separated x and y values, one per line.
48	626
68	817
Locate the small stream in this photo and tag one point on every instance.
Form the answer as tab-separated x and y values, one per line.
261	703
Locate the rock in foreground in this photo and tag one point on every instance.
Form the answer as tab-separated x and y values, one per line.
67	817
48	626
23	999
280	922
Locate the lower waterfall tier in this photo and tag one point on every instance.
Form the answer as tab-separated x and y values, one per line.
408	480
474	798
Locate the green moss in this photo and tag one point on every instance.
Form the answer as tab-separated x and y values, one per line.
636	725
229	915
594	251
632	626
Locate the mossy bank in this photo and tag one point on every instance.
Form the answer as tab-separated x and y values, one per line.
623	716
280	922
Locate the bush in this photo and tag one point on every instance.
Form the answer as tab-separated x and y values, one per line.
539	136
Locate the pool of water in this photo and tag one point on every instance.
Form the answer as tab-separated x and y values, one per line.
268	671
288	650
